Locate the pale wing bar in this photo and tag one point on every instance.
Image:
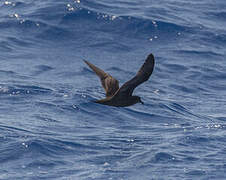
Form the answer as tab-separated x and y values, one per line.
109	83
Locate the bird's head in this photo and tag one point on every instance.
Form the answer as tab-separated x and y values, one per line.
138	99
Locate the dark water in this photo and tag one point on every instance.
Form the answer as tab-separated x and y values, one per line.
49	129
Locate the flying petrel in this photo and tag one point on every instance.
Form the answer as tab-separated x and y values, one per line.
121	97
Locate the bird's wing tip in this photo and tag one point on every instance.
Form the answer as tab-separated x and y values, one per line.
151	56
85	61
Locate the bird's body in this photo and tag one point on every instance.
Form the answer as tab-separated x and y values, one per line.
121	97
120	102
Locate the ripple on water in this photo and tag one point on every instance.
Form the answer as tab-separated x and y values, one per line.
51	129
163	157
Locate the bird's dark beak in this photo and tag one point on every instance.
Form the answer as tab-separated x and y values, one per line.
141	102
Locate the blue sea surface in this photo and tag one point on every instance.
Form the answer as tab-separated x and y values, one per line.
51	129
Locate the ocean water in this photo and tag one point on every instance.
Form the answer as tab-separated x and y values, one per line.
49	127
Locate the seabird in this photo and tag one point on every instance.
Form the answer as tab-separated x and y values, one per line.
121	97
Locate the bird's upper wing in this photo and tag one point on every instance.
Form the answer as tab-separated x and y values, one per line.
142	75
109	83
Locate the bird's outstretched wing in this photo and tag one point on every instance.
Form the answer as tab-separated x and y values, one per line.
109	83
142	75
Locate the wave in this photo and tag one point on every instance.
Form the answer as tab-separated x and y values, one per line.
51	128
23	90
54	21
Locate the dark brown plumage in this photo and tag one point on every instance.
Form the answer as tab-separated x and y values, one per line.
122	97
